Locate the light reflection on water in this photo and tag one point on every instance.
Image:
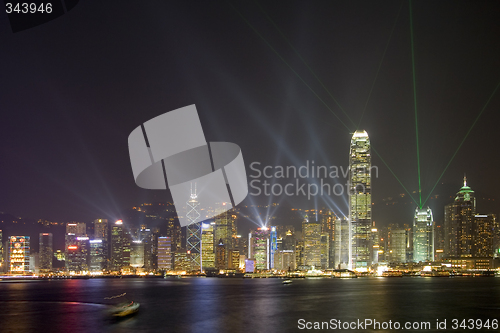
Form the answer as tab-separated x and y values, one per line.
241	305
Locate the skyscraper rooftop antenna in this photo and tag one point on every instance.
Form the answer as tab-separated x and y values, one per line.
193	194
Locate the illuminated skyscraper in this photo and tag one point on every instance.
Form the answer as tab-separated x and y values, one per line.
19	254
117	246
207	245
485	228
360	211
193	231
164	253
423	235
459	224
327	218
137	254
220	254
273	246
101	231
260	240
97	259
225	229
46	252
342	243
397	247
311	231
78	252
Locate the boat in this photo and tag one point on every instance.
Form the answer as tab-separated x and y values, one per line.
343	274
392	274
123	309
287	281
435	273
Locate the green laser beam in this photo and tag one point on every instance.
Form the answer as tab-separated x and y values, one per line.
286	63
380	65
463	140
302	59
415	103
385	163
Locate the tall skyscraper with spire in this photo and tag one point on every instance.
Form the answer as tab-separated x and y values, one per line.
360	210
459	224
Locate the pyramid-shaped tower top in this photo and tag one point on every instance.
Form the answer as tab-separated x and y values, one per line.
465	192
360	134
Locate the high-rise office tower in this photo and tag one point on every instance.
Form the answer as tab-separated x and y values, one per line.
397	247
220	254
137	254
375	244
423	235
182	261
311	231
117	246
73	231
207	245
485	228
19	254
459	224
77	257
360	211
273	246
225	229
260	241
97	259
342	243
46	252
164	253
193	231
101	231
325	251
327	219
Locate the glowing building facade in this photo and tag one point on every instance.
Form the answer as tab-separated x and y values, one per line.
342	243
46	252
260	241
311	231
467	233
273	246
101	231
77	255
225	229
423	235
397	247
137	254
459	224
207	245
19	254
118	247
164	253
193	231
360	211
97	258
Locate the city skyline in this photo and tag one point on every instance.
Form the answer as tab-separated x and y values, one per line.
86	175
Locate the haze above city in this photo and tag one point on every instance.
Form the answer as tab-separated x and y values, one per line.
72	92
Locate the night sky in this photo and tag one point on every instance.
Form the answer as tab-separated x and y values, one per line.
74	88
